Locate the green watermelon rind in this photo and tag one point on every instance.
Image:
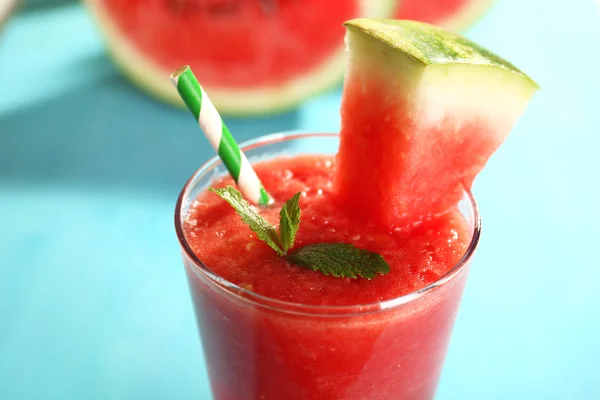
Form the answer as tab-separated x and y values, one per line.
239	102
431	45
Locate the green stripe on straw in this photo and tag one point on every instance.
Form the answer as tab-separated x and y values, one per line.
218	135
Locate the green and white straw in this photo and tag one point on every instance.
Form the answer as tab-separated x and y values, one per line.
219	136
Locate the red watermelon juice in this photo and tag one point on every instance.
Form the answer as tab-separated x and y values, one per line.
272	330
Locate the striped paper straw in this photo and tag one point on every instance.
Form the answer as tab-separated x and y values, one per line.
219	136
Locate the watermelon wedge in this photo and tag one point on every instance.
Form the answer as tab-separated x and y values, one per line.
422	111
252	57
454	15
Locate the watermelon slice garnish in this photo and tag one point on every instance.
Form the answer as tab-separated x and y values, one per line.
422	111
252	57
454	15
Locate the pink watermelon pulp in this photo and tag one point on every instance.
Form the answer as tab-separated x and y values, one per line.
454	15
250	56
422	111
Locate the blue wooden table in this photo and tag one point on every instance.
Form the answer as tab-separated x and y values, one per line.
93	298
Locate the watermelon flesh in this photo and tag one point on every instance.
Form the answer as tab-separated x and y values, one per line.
422	111
232	42
252	57
449	14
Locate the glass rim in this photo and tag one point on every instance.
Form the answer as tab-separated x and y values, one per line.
249	296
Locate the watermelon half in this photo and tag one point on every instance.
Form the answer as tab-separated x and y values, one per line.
252	57
454	15
6	8
422	111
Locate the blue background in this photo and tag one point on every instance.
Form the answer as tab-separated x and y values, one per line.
93	297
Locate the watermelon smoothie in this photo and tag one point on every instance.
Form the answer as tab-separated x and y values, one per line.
271	330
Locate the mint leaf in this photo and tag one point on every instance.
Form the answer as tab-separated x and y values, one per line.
263	229
341	260
289	222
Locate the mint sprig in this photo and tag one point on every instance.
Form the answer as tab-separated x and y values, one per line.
289	222
263	229
342	260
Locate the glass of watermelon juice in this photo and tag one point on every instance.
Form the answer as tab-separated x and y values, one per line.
271	330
